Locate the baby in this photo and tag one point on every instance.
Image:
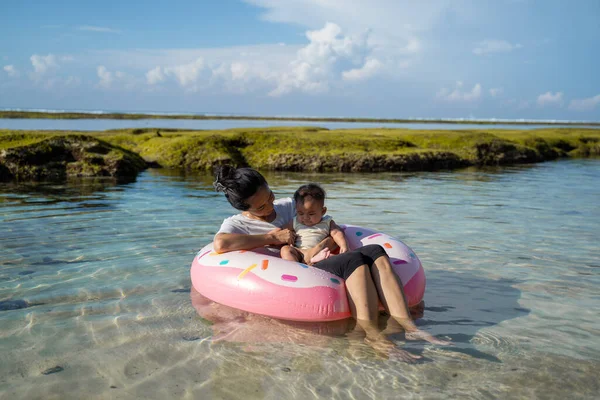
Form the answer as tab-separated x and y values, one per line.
312	226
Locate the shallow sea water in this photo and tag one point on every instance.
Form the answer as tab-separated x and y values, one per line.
94	279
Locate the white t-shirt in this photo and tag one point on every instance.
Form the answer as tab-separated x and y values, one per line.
239	223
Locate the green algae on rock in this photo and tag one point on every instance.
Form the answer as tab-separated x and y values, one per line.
290	149
57	157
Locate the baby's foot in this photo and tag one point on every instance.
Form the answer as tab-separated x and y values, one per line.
320	256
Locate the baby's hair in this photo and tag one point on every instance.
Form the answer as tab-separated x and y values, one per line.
238	184
309	190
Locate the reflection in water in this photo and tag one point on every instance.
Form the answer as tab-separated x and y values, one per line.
470	305
232	325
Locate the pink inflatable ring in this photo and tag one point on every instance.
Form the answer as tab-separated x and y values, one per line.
258	282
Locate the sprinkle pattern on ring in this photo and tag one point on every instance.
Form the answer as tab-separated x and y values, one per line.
224	262
337	282
398	262
359	233
374	236
387	245
244	272
290	278
265	265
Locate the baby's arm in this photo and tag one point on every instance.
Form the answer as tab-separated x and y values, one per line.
338	237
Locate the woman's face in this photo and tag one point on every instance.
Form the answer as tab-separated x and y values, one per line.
261	202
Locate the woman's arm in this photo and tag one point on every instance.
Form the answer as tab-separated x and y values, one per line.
225	242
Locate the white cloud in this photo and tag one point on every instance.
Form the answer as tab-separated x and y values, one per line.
235	69
12	71
328	57
584	104
458	95
238	70
106	77
155	76
398	29
42	64
242	77
366	71
187	74
413	45
116	79
550	99
494	92
495	46
393	18
100	29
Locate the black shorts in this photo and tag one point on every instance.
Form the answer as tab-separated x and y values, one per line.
343	265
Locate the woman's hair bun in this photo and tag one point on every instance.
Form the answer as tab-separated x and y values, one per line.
225	174
238	184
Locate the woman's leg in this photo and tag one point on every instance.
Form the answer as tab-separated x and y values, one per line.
362	295
391	294
364	304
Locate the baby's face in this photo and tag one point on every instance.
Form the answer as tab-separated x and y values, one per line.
310	212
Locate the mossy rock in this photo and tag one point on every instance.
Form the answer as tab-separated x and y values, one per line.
52	155
59	157
358	162
501	152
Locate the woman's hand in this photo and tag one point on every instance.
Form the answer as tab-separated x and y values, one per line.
283	236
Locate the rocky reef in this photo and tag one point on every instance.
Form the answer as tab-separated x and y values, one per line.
58	157
122	154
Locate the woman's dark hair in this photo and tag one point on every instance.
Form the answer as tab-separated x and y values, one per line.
310	190
238	184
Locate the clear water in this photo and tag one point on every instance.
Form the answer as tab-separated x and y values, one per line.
104	124
511	255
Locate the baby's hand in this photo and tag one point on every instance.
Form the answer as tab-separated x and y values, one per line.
343	250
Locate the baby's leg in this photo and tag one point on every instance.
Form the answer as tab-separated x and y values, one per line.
291	253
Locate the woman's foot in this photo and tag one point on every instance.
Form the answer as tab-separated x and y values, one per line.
422	335
388	349
414	333
320	256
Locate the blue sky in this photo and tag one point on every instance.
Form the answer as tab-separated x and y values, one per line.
366	58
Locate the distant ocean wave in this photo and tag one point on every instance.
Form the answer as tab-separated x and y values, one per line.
87	111
210	114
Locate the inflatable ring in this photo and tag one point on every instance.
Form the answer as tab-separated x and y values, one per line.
261	283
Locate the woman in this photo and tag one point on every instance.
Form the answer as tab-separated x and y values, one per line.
367	271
